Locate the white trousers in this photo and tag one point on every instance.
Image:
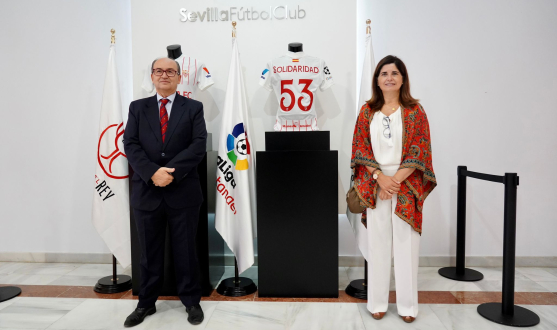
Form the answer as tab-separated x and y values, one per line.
389	236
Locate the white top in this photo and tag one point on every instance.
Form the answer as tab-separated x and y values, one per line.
387	150
295	78
195	76
168	106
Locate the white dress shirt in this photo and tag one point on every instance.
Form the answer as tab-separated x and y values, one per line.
168	106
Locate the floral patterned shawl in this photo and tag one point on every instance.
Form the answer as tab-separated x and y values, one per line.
416	153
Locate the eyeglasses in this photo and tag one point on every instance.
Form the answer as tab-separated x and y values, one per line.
169	72
386	127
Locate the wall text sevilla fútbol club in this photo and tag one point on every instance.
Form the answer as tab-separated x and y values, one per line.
213	14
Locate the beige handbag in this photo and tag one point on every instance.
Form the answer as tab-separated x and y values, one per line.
353	201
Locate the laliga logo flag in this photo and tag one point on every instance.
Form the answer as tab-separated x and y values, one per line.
365	94
111	208
235	212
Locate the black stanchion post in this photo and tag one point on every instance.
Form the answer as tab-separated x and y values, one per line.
506	312
461	220
460	273
509	242
236	286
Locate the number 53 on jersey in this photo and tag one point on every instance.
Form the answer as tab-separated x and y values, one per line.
295	78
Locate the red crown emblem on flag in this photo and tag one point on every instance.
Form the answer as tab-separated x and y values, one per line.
109	158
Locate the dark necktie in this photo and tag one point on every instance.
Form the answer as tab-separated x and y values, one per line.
164	118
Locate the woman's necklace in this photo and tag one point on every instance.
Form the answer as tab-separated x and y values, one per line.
392	110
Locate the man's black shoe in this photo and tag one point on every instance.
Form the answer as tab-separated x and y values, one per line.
138	315
195	314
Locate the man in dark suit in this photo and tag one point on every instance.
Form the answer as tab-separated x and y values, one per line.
165	140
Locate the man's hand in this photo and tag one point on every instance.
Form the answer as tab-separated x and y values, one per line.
162	177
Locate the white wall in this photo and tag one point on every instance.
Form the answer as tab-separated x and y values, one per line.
485	74
483	70
327	31
53	60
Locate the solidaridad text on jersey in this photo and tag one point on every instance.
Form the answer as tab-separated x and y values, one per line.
295	68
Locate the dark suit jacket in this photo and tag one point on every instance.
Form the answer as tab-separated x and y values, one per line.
184	147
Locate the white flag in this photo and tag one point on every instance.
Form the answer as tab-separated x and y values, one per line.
235	211
365	94
111	207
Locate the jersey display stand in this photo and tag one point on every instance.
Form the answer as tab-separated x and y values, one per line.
209	244
9	292
297	216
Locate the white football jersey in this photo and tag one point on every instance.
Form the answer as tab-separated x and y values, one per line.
295	78
194	76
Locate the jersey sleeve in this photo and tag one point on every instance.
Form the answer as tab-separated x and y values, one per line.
326	76
204	78
147	83
265	80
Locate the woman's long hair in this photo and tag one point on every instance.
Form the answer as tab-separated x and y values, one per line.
405	98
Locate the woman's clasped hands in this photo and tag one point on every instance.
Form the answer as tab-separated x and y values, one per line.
389	186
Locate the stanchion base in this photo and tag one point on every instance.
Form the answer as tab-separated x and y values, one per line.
522	317
469	275
357	289
107	285
9	292
228	287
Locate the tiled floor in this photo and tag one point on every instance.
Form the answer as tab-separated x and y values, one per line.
527	279
76	314
60	296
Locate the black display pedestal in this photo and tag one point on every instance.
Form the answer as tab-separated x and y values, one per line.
297	216
209	245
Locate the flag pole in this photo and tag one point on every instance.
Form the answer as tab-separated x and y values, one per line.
115	283
114	277
358	288
236	275
236	286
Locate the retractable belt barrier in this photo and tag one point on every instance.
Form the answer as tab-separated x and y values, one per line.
506	312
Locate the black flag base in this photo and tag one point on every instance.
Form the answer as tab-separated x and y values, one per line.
115	283
468	275
357	289
109	285
521	317
9	292
236	286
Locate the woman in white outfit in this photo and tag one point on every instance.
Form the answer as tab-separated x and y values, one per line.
393	174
